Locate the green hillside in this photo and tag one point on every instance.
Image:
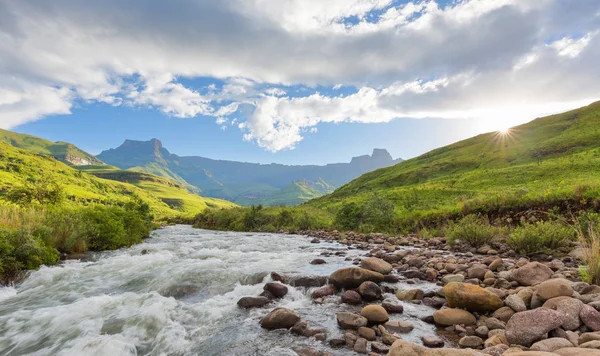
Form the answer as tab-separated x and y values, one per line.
550	162
166	199
298	192
170	192
62	151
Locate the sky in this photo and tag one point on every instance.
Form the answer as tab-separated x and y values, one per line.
291	81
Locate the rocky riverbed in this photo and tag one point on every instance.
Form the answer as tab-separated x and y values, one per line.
486	301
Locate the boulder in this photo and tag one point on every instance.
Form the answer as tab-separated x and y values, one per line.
406	348
392	308
526	327
517	304
398	326
324	292
360	346
376	264
252	302
411	294
576	351
504	314
590	317
352	277
472	342
350	320
553	288
550	345
571	308
279	318
449	317
531	273
375	314
278	290
432	341
369	291
453	278
471	297
380	348
367	333
351	297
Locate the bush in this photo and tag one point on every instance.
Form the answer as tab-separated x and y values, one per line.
590	271
32	236
24	249
473	229
378	212
348	217
539	237
253	218
44	190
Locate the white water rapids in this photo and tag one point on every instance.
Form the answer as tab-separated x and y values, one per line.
177	299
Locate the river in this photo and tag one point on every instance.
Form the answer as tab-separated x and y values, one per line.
176	294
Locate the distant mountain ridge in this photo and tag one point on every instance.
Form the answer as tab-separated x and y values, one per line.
240	182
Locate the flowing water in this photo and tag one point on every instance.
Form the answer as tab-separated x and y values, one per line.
175	294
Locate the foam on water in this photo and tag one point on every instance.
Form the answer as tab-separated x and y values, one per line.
175	294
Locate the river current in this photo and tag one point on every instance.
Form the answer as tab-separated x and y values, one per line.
175	294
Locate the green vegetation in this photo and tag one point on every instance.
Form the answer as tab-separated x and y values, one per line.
590	242
475	191
62	151
35	235
257	218
475	230
48	207
529	239
298	192
550	162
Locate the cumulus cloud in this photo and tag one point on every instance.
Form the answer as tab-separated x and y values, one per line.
500	59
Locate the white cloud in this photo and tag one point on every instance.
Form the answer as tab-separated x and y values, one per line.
472	57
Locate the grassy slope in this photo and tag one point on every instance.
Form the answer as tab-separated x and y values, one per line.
62	151
298	192
162	171
18	165
168	191
546	161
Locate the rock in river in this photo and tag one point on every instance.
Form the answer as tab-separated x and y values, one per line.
471	297
350	320
252	302
280	318
376	264
369	291
352	277
375	314
449	317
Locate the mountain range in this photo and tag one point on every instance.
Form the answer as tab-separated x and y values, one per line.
240	182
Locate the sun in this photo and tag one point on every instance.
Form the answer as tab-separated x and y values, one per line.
504	130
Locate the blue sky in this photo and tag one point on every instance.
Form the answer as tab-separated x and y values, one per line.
291	81
98	127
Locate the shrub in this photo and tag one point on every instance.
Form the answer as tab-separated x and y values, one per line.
534	238
473	229
378	212
253	218
348	217
24	249
590	271
44	190
285	218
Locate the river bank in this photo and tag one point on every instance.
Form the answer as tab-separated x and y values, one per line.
489	300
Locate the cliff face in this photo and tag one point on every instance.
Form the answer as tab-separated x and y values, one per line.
237	181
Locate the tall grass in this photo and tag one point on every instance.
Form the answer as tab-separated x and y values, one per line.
590	243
